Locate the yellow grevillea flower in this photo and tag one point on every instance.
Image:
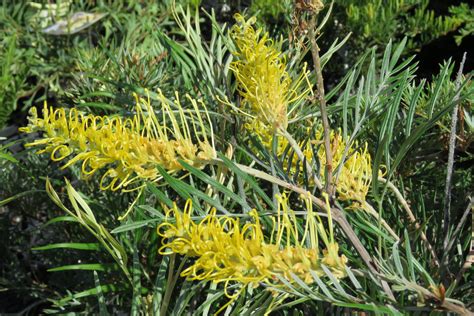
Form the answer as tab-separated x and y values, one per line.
128	148
226	252
355	175
263	82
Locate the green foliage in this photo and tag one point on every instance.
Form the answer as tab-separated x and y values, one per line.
70	253
268	9
374	21
465	14
13	76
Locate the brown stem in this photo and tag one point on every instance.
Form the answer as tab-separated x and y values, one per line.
455	308
442	302
329	188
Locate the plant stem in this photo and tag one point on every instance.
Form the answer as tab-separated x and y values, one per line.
450	168
329	188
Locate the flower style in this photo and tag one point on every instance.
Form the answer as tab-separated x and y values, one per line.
263	82
227	253
129	148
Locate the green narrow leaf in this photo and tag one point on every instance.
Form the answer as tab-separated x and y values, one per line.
335	282
215	184
151	210
438	85
303	285
260	305
211	298
409	257
185	191
174	183
86	293
229	164
322	286
17	196
6	156
386	60
160	285
345	103
84	266
187	292
288	286
397	53
415	136
396	259
78	246
136	280
370	307
412	107
135	225
60	219
158	193
353	279
100	296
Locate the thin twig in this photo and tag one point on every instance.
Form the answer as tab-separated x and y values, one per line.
412	218
467	264
329	188
363	253
443	303
460	224
456	308
470	256
450	168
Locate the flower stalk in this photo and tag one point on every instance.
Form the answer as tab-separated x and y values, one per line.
320	94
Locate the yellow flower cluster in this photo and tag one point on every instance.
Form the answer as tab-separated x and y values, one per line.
225	252
355	175
265	86
129	148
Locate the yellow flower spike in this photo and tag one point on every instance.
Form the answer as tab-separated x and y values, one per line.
127	148
226	252
263	82
355	175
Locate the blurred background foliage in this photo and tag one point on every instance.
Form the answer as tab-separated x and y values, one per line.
136	45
